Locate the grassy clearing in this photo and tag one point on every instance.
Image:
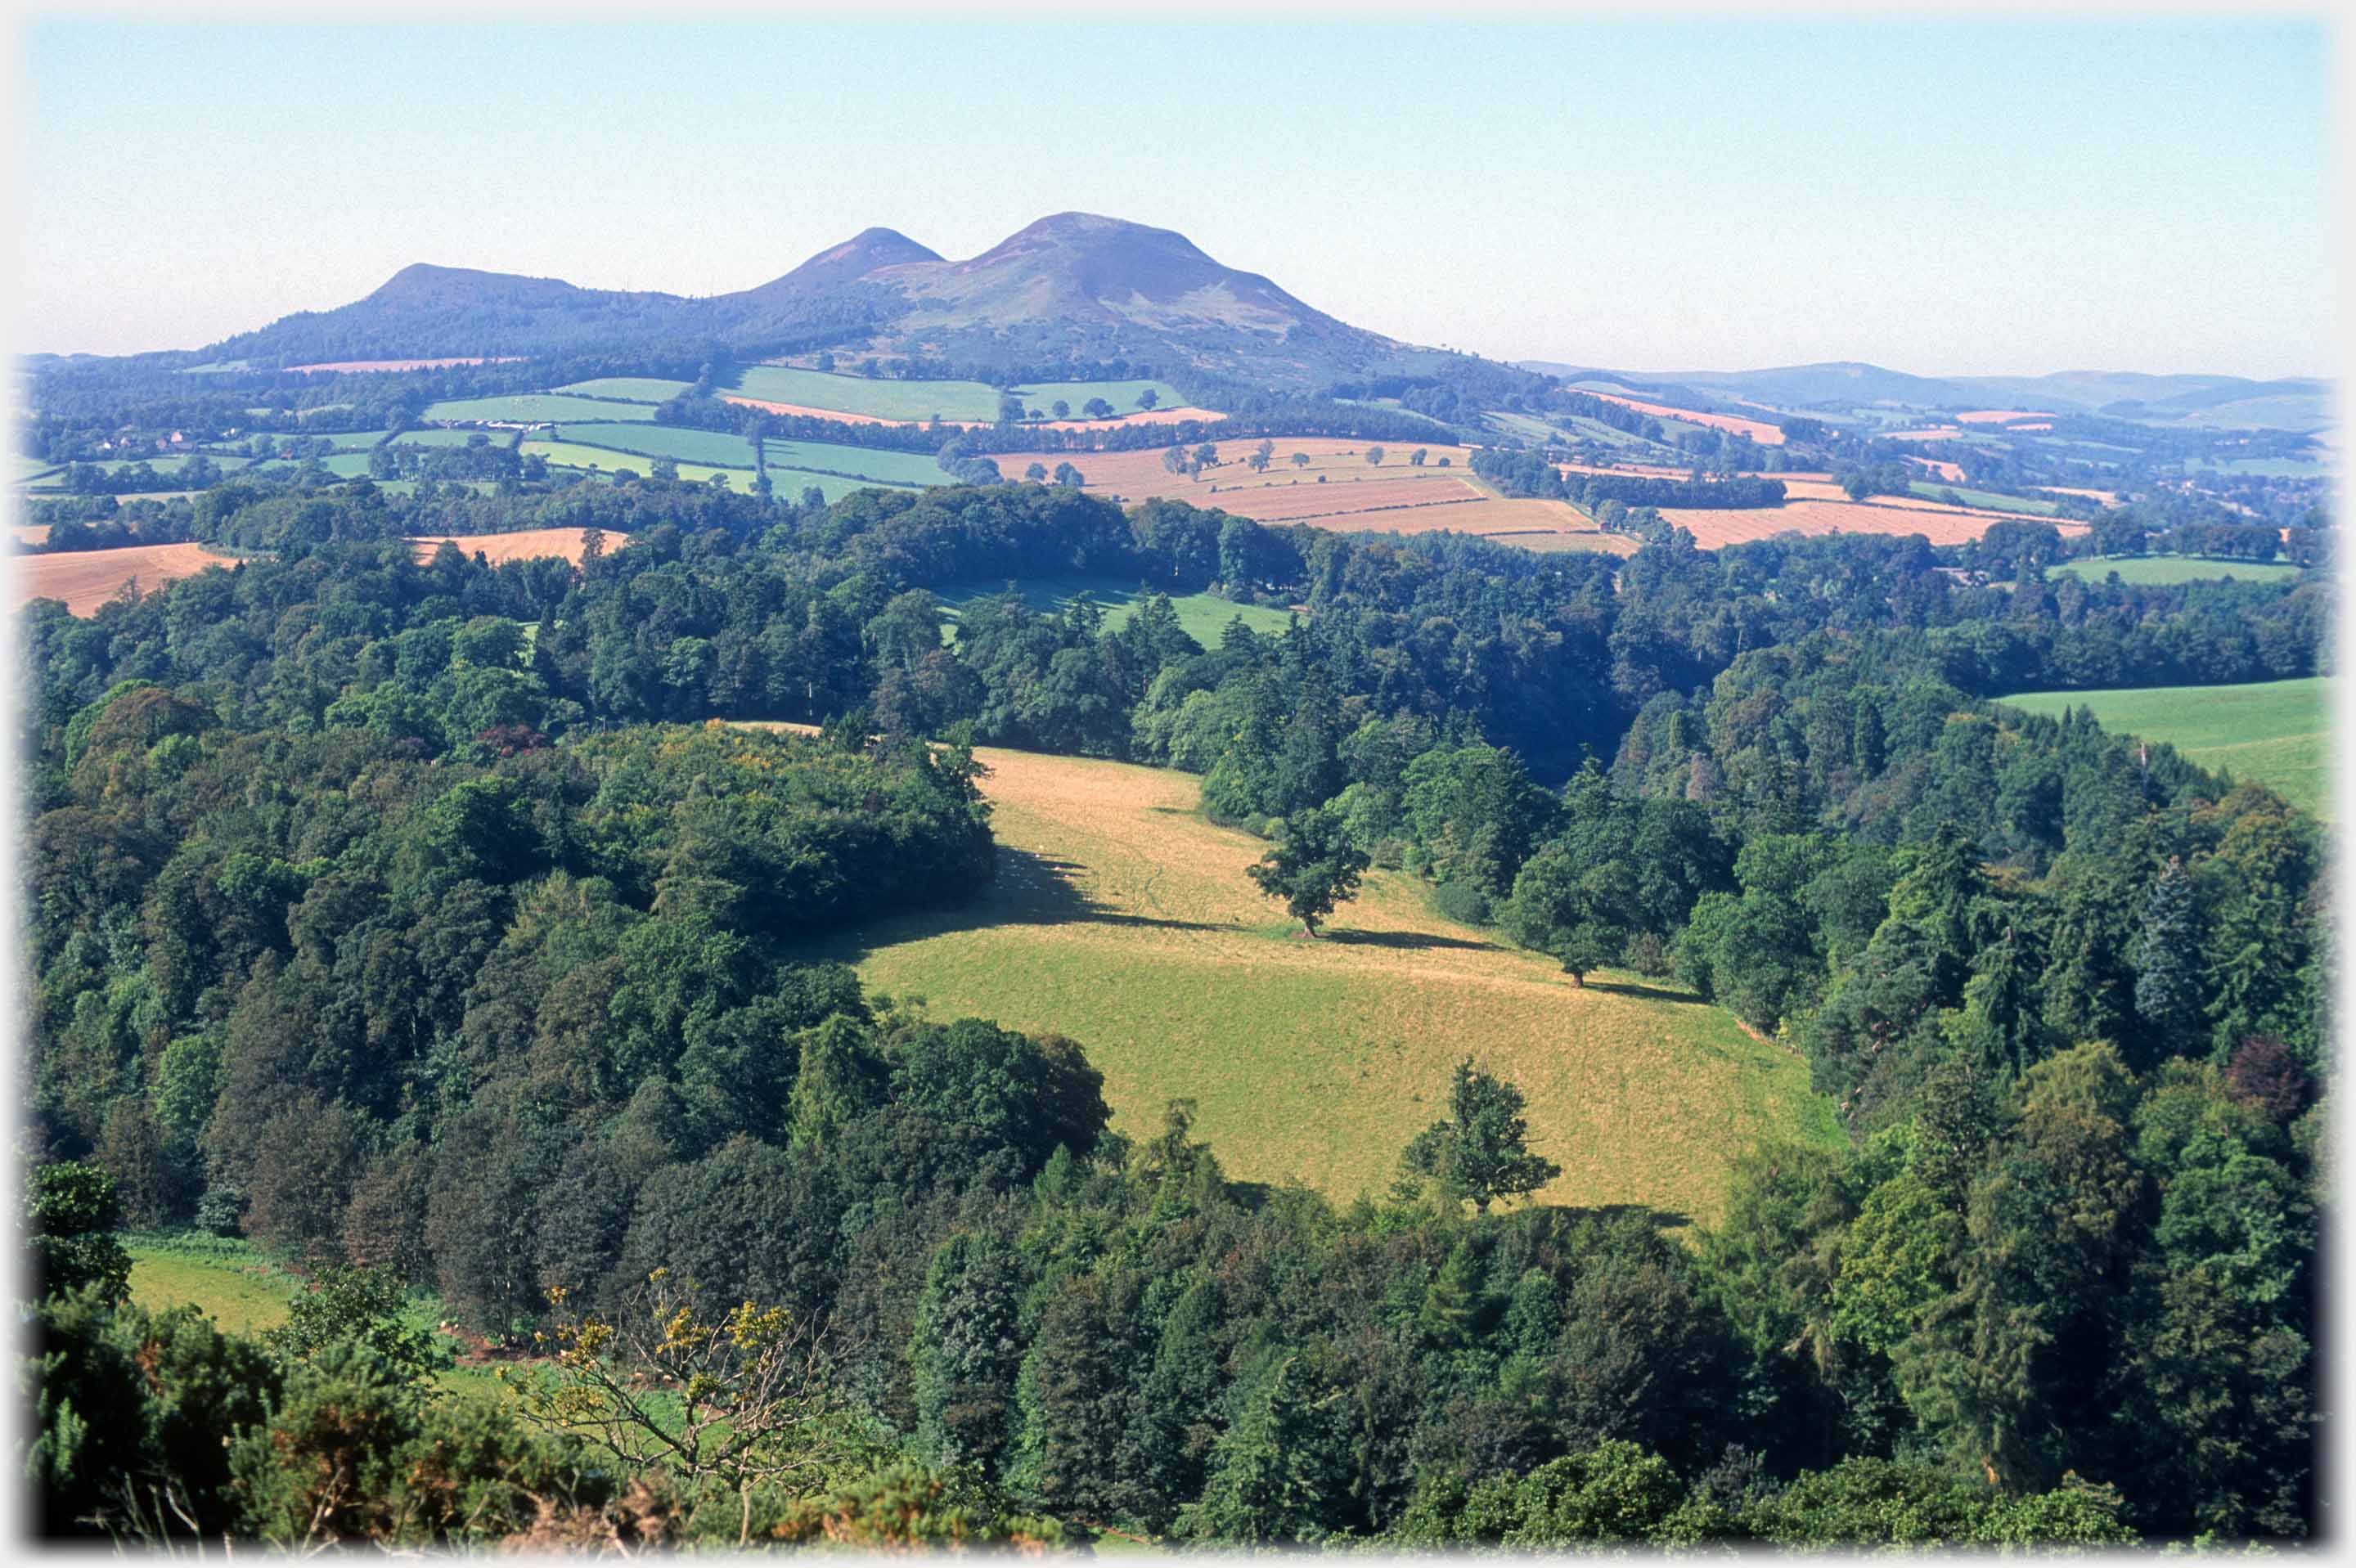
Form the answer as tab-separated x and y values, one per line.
353	440
1204	616
868	462
628	389
538	408
227	1279
1933	490
1123	919
2277	732
2269	468
713	448
2169	571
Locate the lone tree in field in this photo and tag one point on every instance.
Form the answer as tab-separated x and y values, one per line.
1097	409
1300	460
1481	1153
1312	867
1261	456
1063	409
1579	917
1067	474
1035	473
1374	456
1148	398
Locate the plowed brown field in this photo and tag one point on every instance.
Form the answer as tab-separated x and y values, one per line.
524	545
86	579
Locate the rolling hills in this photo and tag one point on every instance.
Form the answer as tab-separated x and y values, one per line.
1072	286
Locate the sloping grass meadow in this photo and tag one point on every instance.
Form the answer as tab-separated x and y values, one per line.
2277	732
1123	919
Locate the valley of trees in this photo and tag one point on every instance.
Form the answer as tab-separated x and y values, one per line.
412	919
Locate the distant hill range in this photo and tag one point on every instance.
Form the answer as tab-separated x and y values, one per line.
2211	401
1071	287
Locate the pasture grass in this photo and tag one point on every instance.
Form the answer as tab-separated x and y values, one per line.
2171	570
713	448
1933	490
454	437
878	398
1121	395
228	1279
1203	616
628	389
2276	732
867	463
1123	919
538	408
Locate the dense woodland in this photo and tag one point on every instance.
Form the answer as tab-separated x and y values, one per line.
408	919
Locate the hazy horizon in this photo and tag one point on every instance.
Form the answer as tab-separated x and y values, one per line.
1957	197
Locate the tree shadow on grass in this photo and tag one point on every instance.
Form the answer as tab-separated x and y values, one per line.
1647	992
1029	889
1401	940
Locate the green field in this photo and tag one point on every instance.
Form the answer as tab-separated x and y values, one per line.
1121	395
603	460
713	448
2276	732
628	389
2168	570
454	437
920	400
877	399
228	1281
1123	920
352	440
2269	468
786	484
342	464
1204	616
538	408
869	463
53	478
1931	490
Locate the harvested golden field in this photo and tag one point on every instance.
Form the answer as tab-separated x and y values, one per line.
2107	497
1714	525
2001	416
1760	431
1357	499
86	579
525	544
1140	476
1946	470
1123	920
31	533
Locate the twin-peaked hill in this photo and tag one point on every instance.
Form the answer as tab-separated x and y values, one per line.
1071	286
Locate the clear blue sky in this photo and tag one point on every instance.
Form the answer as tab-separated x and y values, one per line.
1959	197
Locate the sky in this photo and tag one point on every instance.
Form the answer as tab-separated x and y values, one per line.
1959	197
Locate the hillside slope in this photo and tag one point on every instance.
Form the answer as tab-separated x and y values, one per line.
1121	918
